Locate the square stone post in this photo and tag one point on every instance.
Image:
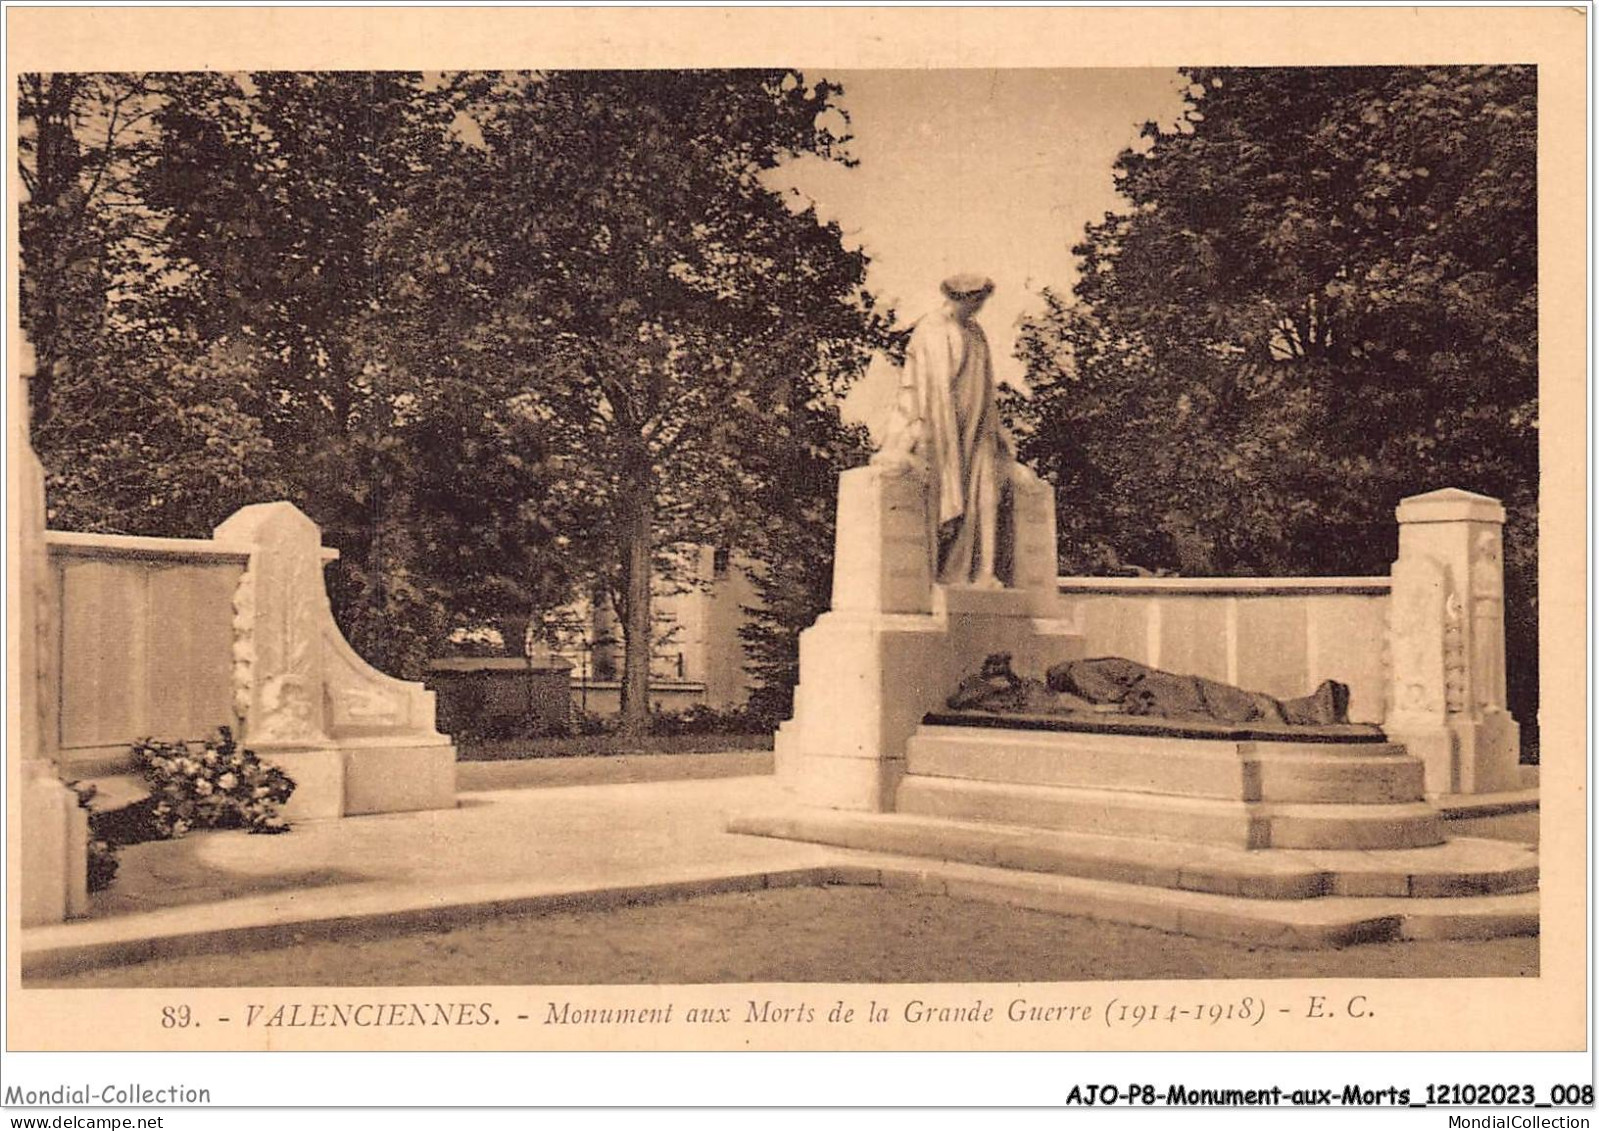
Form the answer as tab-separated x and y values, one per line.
874	664
52	827
885	563
278	662
1447	643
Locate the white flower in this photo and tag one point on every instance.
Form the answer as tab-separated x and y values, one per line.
202	787
228	781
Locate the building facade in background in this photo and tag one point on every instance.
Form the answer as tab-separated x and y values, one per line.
698	656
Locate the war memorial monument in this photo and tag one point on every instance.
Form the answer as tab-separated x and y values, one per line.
1141	781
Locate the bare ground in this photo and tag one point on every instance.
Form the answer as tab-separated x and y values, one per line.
839	934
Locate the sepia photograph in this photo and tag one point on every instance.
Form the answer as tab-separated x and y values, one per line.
1018	550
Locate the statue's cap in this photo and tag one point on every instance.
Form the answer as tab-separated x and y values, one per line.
967	286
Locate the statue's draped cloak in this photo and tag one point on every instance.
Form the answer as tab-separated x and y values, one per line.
950	374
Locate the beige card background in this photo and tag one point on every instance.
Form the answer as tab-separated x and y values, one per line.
1523	1014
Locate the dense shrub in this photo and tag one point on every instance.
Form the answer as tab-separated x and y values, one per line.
697	719
703	719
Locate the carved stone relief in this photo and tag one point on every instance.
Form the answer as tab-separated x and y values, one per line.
1487	566
244	645
288	711
1416	635
1456	677
367	706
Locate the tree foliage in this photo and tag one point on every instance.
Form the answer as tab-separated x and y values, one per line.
1321	297
278	190
138	425
794	551
613	249
504	337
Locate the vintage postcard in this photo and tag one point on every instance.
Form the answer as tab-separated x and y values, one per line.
797	529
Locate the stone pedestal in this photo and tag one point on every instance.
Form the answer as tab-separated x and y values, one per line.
1447	644
52	828
55	848
894	645
353	739
278	668
882	557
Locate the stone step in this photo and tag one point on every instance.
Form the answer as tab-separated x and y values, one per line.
1462	867
1241	824
1467	806
1305	924
1236	770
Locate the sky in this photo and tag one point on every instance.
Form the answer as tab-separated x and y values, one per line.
992	171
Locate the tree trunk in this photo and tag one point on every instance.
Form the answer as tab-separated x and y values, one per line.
638	559
513	630
48	255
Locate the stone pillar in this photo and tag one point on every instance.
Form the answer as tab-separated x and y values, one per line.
885	564
874	664
1447	643
278	662
353	739
1036	554
54	830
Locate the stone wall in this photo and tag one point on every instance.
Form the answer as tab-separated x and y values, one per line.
525	696
48	831
671	696
1282	636
1421	650
143	643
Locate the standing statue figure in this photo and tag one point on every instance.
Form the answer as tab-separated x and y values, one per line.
946	416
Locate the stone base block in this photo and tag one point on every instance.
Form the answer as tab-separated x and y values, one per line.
884	565
1491	761
1375	778
318	776
868	679
786	755
1202	821
1465	757
55	846
1237	770
398	779
863	784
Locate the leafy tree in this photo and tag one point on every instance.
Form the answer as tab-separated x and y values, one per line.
287	198
1321	297
499	335
138	427
794	551
614	251
73	153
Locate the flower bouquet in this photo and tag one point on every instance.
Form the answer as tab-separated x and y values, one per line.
212	785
